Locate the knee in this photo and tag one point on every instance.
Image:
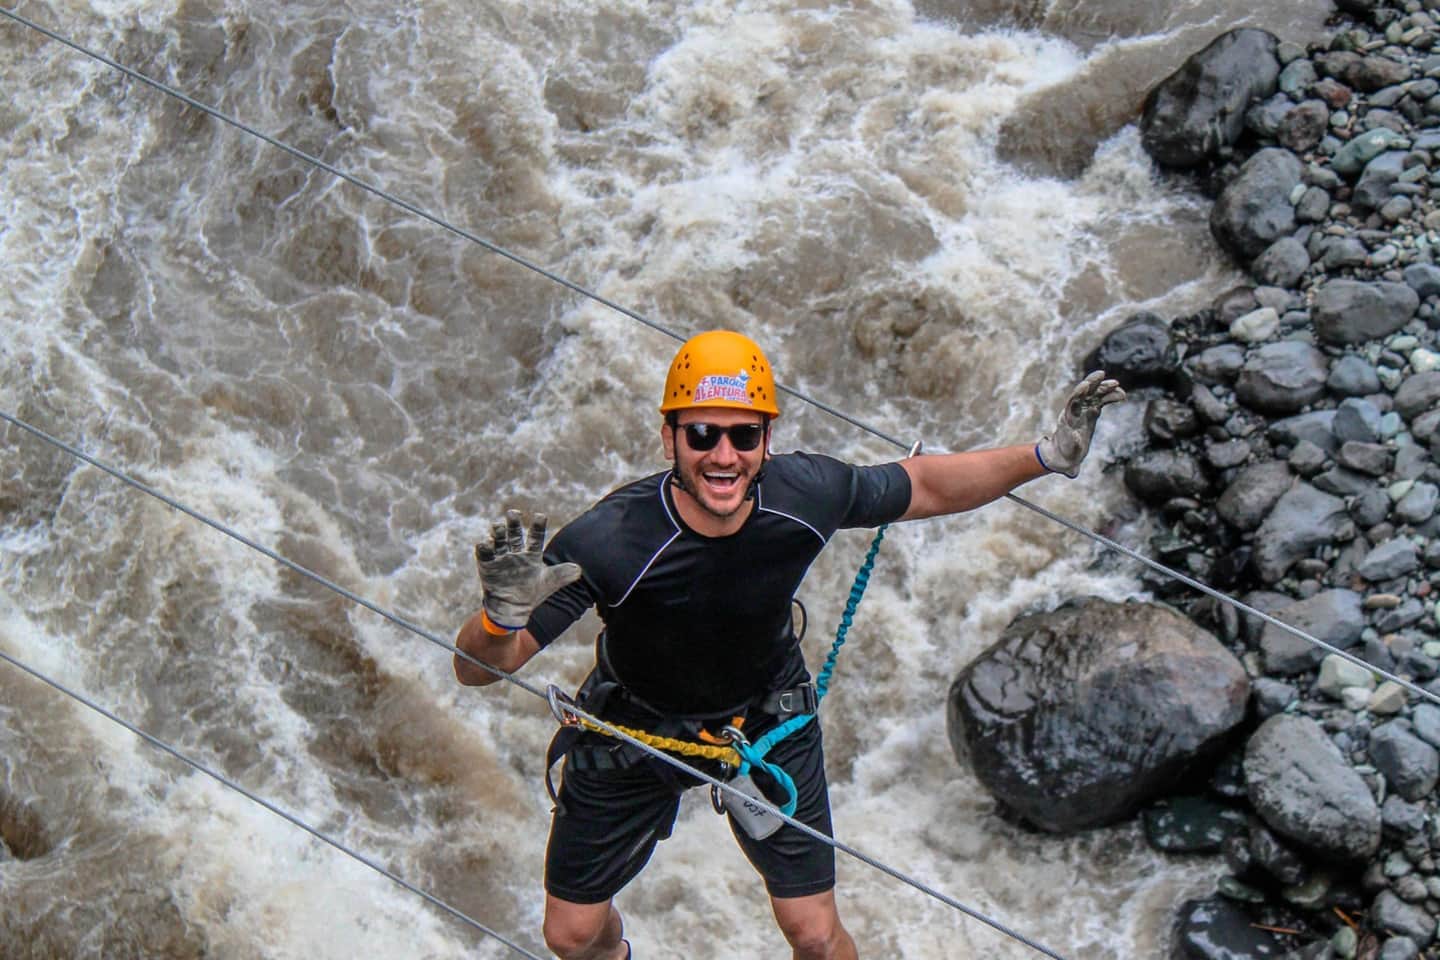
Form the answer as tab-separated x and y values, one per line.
813	935
572	938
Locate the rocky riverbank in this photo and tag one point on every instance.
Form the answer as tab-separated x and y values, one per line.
1287	456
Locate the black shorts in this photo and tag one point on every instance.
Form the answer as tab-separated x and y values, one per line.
607	823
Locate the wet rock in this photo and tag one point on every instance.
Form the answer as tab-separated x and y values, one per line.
1269	853
1303	519
1158	476
1418	394
1357	420
1423	278
1282	378
1410	765
1271	696
1373	188
1334	616
1316	427
1352	311
1217	929
1254	209
1399	948
1139	353
1168	420
1282	264
1371	459
1254	491
1305	791
1078	717
1418	505
1303	127
1393	915
1191	115
1391	559
1351	376
1353	157
1402	816
1191	824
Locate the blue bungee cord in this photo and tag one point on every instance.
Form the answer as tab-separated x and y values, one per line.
752	755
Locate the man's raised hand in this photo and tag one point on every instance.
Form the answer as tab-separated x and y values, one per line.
513	575
1063	449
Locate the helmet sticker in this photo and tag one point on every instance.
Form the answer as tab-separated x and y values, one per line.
719	387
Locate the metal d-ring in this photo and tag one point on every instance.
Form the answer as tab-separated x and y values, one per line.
558	701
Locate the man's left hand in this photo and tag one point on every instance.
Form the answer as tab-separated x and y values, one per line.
1063	449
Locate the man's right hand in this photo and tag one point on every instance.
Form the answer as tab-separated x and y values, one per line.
513	574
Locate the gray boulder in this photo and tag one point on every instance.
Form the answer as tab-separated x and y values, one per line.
1301	786
1393	915
1391	559
1200	108
1316	427
1303	519
1282	377
1282	264
1353	311
1373	187
1352	376
1139	353
1410	765
1078	717
1254	209
1158	475
1423	278
1252	493
1334	616
1418	394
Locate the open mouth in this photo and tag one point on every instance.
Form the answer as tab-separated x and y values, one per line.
721	482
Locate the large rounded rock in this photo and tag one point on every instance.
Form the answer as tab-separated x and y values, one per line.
1138	353
1078	717
1155	476
1301	786
1282	377
1200	108
1301	520
1335	616
1353	311
1254	491
1254	209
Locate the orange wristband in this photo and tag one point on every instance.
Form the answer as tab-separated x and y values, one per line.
491	627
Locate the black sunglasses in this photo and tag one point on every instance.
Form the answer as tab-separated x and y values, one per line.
705	436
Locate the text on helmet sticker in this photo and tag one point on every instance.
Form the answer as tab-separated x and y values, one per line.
719	387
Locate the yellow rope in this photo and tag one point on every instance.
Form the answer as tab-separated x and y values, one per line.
682	747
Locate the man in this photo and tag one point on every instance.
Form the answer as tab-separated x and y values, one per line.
693	571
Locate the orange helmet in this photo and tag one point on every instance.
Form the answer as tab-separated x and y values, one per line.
720	368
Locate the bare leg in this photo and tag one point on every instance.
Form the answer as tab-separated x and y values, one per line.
583	931
812	927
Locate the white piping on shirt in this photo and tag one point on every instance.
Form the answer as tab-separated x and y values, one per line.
656	555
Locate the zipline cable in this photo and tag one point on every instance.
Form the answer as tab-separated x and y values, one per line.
626	311
529	688
255	798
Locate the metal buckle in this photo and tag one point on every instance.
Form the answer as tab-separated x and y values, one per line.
733	732
558	701
810	700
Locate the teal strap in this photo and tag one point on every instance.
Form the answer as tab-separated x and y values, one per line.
753	754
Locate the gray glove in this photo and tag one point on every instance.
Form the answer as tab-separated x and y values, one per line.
513	575
1065	447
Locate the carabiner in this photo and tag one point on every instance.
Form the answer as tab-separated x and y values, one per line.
558	701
